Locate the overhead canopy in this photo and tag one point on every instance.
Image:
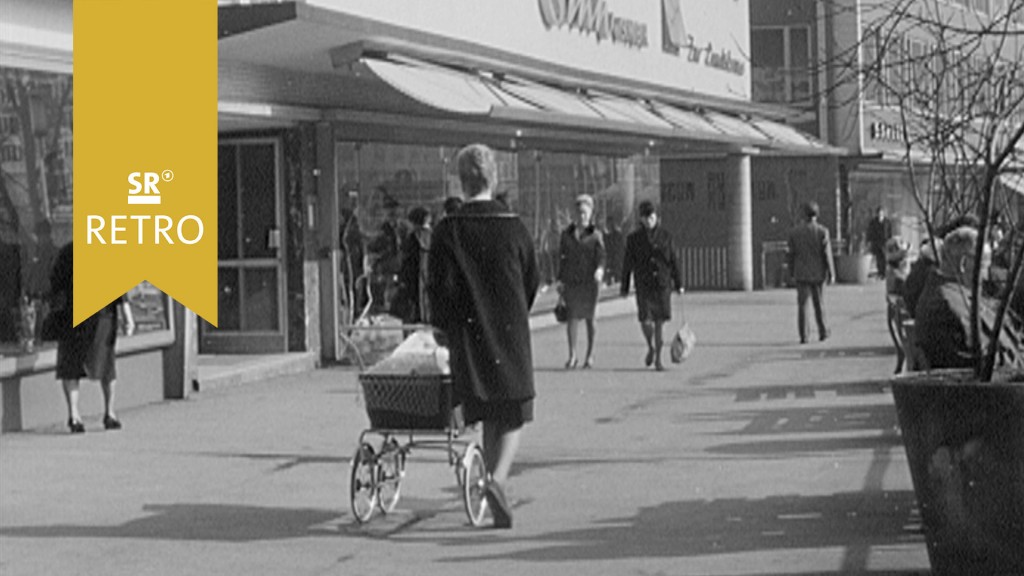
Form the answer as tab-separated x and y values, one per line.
336	63
512	98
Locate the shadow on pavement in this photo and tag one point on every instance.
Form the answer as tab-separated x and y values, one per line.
808	420
852	520
288	461
849	352
200	522
798	391
792	448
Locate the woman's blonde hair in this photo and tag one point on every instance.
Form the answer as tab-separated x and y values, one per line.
478	170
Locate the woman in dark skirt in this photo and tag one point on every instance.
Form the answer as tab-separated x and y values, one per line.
580	271
482	282
86	350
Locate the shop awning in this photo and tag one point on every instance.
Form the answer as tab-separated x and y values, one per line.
511	98
304	56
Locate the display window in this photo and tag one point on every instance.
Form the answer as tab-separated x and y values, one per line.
36	195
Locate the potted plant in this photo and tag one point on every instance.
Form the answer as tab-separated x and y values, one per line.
952	82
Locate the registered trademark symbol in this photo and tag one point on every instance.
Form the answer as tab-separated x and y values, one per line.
167	175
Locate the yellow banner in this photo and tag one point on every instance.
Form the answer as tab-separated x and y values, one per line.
145	138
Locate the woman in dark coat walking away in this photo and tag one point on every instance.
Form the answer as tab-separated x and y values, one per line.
580	272
86	350
482	282
650	257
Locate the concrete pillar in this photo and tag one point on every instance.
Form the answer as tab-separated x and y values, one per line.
327	239
740	248
181	359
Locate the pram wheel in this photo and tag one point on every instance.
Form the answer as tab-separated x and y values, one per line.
474	483
363	483
390	471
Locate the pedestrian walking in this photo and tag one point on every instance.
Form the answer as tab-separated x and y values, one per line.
86	350
483	279
811	266
878	233
580	272
410	302
650	258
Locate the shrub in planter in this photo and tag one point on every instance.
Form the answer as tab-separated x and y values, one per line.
965	447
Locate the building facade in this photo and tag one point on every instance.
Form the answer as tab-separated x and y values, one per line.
342	108
832	62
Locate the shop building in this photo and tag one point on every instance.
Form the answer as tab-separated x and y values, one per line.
330	108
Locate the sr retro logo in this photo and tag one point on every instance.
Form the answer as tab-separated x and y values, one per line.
143	229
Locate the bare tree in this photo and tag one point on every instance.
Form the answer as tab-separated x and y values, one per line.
950	75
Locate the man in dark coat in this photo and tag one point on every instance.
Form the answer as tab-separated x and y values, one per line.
482	280
810	264
650	257
878	233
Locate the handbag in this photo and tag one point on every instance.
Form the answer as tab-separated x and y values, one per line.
56	325
683	342
561	311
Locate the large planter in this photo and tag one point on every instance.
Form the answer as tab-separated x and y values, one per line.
965	447
852	268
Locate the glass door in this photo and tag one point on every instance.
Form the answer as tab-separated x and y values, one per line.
251	305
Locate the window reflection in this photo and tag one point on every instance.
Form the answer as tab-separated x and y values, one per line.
36	152
540	186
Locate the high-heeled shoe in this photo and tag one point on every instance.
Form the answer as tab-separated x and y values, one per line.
111	423
571	363
500	510
588	363
76	426
650	357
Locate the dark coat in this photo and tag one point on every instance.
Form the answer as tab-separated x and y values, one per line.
387	246
878	232
650	257
810	253
580	257
483	278
942	324
411	300
86	350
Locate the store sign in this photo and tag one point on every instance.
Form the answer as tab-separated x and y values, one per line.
593	17
885	132
706	50
676	40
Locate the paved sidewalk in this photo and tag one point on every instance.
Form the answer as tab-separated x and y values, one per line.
757	456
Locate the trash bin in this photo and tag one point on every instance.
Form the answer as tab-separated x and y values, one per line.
852	268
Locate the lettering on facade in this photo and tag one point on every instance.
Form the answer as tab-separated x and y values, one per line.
593	17
884	132
677	41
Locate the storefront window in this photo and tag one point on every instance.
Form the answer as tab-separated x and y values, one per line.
538	185
36	206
